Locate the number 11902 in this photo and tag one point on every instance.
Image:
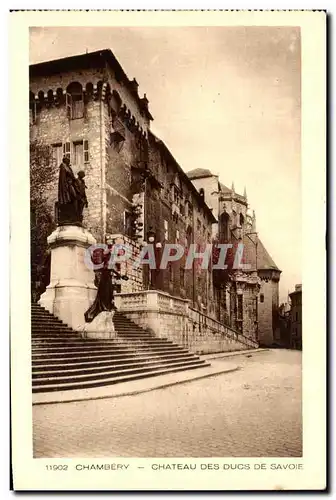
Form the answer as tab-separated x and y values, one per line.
56	467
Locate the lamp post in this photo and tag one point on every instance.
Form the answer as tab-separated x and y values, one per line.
151	239
154	273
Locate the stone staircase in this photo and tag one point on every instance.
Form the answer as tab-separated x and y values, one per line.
63	360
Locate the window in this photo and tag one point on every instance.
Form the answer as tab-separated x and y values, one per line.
224	299
296	316
67	150
78	154
262	297
177	237
241	219
166	235
175	194
224	227
170	271
201	192
188	236
86	151
240	307
182	277
128	219
75	101
57	154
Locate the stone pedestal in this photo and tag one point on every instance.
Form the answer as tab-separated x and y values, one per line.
101	327
71	290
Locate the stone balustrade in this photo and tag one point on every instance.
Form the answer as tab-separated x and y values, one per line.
208	335
173	318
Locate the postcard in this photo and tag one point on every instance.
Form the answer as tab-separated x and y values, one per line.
167	196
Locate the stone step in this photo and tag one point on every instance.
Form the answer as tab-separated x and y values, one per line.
80	379
44	341
61	347
92	346
51	329
115	358
93	343
69	364
74	369
97	352
99	383
63	360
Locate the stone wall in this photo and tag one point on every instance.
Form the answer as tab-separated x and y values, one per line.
129	268
185	226
265	317
54	129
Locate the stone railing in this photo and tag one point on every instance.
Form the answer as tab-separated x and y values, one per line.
205	326
171	317
166	316
132	301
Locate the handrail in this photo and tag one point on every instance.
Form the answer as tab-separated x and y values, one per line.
239	334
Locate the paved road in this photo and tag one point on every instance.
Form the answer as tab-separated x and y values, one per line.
252	412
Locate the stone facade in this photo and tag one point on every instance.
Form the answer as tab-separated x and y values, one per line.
248	299
85	107
296	318
178	214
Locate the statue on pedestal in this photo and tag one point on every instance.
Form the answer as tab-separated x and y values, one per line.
71	195
104	300
82	199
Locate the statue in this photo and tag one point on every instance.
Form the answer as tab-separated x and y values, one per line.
67	195
81	194
104	300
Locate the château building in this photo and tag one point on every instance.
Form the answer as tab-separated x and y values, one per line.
87	108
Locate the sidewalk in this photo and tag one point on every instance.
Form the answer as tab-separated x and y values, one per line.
231	353
146	384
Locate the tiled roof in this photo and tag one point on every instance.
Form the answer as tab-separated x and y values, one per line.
263	259
225	189
198	173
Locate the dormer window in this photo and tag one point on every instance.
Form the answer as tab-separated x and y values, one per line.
75	101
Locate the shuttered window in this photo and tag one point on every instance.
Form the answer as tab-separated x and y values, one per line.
86	152
67	150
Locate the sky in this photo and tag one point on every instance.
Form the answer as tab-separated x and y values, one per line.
223	98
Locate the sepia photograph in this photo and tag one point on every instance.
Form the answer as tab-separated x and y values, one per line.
187	225
166	247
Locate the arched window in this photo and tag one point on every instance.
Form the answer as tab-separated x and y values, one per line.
75	101
224	227
241	220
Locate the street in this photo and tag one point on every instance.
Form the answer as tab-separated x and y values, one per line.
252	412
